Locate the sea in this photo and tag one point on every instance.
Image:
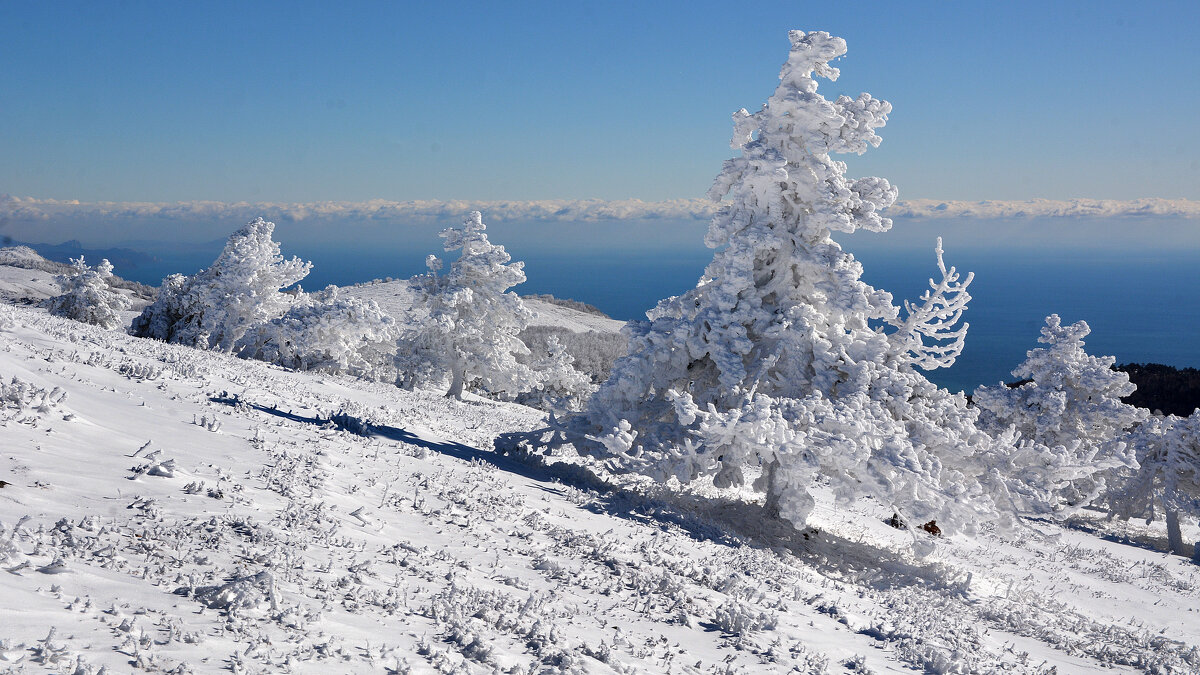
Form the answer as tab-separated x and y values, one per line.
1143	306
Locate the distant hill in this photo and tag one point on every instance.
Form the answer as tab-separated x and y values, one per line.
121	258
1174	391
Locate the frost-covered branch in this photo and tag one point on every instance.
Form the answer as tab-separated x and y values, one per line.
930	336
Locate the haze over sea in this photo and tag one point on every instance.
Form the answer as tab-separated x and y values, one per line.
1142	302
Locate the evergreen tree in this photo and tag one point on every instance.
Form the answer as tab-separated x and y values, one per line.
782	362
1071	403
470	336
1168	455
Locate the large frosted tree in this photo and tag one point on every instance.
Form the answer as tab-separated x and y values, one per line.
470	336
782	362
241	289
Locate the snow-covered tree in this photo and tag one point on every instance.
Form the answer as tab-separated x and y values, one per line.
470	337
1071	402
328	332
1168	455
214	308
782	362
87	297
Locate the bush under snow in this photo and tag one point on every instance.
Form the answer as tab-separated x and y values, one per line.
87	297
214	308
327	332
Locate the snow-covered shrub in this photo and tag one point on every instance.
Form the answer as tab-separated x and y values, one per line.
8	320
214	308
782	362
327	332
737	618
470	337
1070	403
87	297
1168	454
559	384
25	402
594	352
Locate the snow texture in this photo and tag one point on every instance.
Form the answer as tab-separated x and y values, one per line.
287	542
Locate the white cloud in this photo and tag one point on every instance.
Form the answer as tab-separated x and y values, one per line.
590	210
1046	208
29	209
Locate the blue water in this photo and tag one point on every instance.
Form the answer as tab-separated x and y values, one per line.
1142	306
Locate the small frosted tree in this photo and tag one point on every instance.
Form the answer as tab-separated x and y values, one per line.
1071	403
1168	475
87	297
782	363
327	332
214	308
470	336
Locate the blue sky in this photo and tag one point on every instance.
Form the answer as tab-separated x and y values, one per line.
152	101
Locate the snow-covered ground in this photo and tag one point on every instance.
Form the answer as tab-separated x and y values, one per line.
25	286
183	510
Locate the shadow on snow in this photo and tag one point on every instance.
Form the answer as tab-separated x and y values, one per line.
729	522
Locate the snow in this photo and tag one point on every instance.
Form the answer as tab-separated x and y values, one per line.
26	286
270	539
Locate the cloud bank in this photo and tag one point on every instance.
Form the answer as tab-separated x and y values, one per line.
1046	208
29	209
587	210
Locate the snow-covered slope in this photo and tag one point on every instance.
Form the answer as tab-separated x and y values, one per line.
19	285
184	510
395	298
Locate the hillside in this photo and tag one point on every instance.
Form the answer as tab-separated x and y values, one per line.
184	511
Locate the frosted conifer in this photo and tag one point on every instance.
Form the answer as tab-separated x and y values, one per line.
1168	453
1070	403
782	362
470	337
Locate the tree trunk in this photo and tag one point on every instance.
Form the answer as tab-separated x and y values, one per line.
1175	535
771	505
456	380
